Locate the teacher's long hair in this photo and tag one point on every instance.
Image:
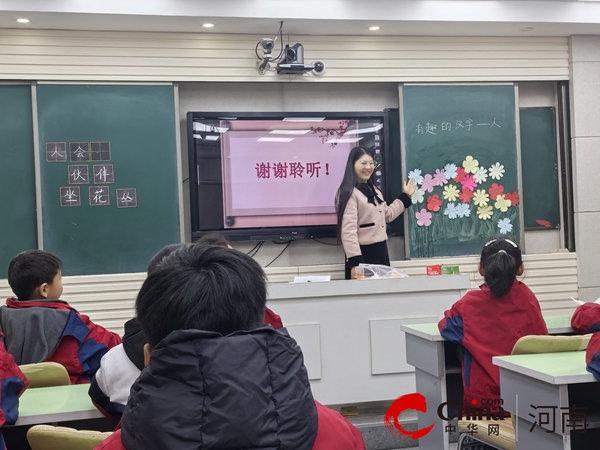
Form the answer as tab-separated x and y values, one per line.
348	182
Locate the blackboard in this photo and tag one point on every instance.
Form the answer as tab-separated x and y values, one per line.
120	140
17	172
472	127
539	168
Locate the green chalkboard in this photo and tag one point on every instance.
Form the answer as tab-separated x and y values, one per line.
115	138
17	172
462	140
539	168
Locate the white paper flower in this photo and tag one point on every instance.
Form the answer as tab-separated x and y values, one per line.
505	226
416	175
497	171
480	175
418	196
463	210
450	211
450	171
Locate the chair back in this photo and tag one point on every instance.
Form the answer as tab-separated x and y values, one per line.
550	344
45	374
48	437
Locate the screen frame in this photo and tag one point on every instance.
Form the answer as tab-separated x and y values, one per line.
279	234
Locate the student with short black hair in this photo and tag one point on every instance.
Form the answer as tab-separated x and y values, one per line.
215	377
38	326
489	321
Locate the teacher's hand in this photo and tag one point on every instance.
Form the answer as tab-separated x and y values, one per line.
410	187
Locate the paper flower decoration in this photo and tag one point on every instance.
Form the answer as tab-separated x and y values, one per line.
468	182
415	175
505	225
466	195
495	190
450	192
460	174
427	183
450	211
496	171
417	196
434	203
450	171
463	210
423	218
439	179
501	203
484	212
470	164
480	175
514	198
480	197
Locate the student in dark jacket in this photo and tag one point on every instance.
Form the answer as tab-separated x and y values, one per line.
215	376
38	327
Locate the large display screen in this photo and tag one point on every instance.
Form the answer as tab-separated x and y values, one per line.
274	176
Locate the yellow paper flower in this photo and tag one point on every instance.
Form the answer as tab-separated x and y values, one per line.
484	212
451	192
417	196
480	197
502	203
470	164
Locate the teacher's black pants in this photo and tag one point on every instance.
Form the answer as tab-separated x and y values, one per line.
376	253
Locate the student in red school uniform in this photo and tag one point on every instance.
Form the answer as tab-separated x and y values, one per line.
586	319
215	376
489	321
39	327
12	383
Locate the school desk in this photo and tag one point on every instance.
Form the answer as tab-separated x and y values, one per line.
438	374
536	388
56	404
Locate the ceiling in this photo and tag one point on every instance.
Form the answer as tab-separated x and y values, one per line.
312	17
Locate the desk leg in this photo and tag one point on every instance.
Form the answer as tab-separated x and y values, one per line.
434	390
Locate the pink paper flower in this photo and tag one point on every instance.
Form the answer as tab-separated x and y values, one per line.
468	182
423	218
427	184
439	179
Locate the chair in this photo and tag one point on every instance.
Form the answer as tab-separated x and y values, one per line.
505	440
47	437
45	374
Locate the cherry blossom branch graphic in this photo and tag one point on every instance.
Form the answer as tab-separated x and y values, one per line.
328	133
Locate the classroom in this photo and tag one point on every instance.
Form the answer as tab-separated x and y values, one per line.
119	122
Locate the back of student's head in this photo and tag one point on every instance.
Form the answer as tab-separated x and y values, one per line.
202	287
500	261
162	255
29	270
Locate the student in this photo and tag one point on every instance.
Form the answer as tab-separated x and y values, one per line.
38	327
13	384
489	321
586	319
215	377
121	366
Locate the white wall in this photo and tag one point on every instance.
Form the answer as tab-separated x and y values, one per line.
275	97
585	141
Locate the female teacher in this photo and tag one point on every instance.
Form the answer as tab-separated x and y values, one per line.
362	213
